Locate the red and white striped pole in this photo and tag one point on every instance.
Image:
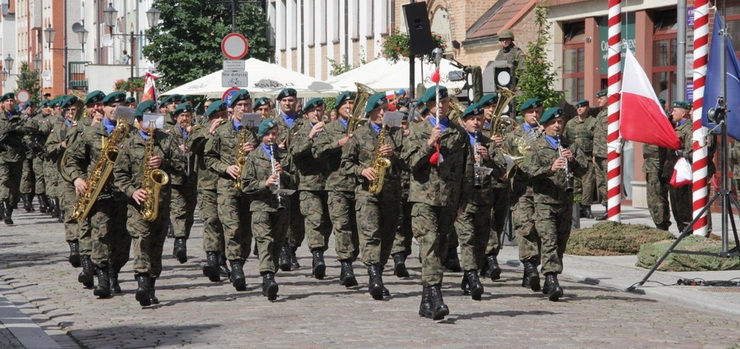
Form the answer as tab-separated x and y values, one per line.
700	159
613	141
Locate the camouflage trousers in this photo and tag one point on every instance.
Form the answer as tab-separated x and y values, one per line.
233	212
657	199
148	239
51	178
583	186
344	224
296	228
430	225
111	242
681	205
315	218
473	228
74	231
402	240
28	178
553	223
499	211
269	229
377	219
10	176
600	170
182	209
213	231
523	218
38	171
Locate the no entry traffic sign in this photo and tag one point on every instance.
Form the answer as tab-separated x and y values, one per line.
227	95
234	46
23	96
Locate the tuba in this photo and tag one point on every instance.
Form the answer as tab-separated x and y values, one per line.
153	181
380	163
456	110
355	115
500	124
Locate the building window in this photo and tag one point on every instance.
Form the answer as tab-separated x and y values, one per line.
354	23
321	11
308	17
664	54
573	61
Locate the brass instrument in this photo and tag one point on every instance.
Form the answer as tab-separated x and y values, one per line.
100	173
355	116
456	110
153	181
241	157
380	163
568	173
500	124
273	161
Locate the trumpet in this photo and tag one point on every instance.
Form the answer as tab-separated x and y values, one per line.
568	173
273	162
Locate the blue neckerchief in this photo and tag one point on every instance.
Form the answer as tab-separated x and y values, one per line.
473	138
443	124
376	128
143	134
108	125
68	122
289	119
183	131
237	125
527	127
267	149
682	122
553	141
344	122
487	125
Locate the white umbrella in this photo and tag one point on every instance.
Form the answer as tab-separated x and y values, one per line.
265	80
383	75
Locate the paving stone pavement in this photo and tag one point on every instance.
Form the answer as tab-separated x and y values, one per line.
309	313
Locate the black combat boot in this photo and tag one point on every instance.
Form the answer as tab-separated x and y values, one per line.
586	212
43	203
476	288
552	288
375	282
113	271
86	275
237	275
531	276
223	269
27	202
604	216
74	253
438	309
465	286
425	308
493	270
294	259
318	265
285	258
211	268
663	226
180	250
102	290
152	297
347	274
7	212
57	213
399	265
386	293
453	262
269	286
142	292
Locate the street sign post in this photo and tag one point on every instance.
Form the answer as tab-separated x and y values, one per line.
233	78
234	46
233	65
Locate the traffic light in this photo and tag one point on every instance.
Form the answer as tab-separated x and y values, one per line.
474	83
498	74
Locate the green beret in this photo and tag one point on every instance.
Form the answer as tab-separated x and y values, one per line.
313	103
44	103
148	105
114	97
531	103
682	104
9	95
215	107
30	104
68	101
491	98
170	99
429	96
138	114
662	101
375	101
582	103
552	113
405	115
94	97
343	97
260	102
130	100
241	95
186	98
287	92
183	108
266	125
601	93
472	110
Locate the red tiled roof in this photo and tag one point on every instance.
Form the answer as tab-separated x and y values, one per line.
496	23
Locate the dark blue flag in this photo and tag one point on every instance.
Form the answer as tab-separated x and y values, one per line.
713	84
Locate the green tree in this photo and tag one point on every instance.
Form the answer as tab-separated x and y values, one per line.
29	81
186	44
537	76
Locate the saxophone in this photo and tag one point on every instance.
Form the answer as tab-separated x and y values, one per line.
241	157
100	173
380	164
153	181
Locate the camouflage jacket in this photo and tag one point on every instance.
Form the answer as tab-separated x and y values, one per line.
221	148
207	179
189	175
256	171
326	147
684	133
61	132
286	133
436	185
513	56
653	158
521	182
581	134
600	130
496	162
548	186
359	153
311	171
12	130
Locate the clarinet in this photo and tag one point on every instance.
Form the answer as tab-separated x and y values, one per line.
273	149
568	174
476	157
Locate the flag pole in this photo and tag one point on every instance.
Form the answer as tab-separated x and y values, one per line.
613	140
700	192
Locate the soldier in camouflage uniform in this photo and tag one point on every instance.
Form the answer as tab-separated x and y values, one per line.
580	132
600	150
12	155
51	176
328	145
473	225
509	52
522	194
29	176
266	169
657	183
377	213
169	104
43	121
263	107
402	242
681	197
148	236
434	190
548	164
111	242
222	153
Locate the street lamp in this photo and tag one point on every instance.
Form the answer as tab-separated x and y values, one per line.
9	62
51	33
37	62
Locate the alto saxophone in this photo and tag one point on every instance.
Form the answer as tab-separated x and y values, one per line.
153	181
241	157
100	173
380	163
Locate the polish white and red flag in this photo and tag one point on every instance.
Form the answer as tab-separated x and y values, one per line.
434	76
642	118
150	87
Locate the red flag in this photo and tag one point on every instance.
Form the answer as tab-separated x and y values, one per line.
435	76
150	88
642	119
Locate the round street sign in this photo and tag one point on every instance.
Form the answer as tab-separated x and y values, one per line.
234	46
23	96
227	95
